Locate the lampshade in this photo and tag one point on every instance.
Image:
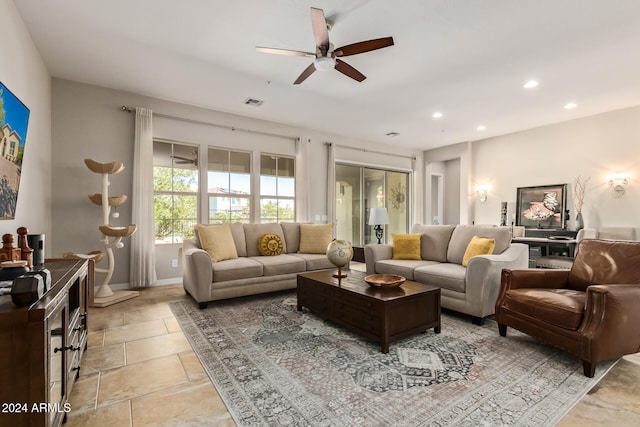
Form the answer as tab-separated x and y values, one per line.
378	216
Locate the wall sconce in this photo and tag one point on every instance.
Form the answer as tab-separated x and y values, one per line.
482	191
617	182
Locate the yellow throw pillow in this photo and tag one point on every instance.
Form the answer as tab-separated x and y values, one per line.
270	244
217	240
314	238
406	246
478	246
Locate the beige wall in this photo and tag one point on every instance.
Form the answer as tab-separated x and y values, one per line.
88	123
23	71
589	147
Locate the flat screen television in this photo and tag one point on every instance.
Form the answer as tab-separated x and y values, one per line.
14	120
542	206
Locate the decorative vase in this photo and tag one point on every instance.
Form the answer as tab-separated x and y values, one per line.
339	253
579	221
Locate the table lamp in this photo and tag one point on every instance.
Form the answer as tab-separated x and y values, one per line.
378	217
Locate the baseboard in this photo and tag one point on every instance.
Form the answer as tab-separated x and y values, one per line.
162	282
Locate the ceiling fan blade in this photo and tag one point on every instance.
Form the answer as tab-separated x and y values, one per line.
349	71
284	51
320	31
366	46
306	73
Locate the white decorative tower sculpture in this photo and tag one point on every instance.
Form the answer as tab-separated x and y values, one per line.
111	236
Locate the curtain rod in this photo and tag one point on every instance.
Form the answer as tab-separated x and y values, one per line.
372	151
200	122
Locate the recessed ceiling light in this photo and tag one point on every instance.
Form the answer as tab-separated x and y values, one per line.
531	84
436	115
481	127
570	106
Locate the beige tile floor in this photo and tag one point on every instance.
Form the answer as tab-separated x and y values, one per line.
139	370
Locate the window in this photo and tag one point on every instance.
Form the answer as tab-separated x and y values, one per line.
229	186
175	185
277	188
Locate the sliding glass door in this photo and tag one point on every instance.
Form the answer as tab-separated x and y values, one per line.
358	189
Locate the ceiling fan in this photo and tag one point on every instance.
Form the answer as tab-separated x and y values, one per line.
326	56
186	160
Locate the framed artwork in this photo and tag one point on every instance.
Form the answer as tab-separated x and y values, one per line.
14	119
542	206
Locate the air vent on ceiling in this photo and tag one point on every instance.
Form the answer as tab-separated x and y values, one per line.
253	101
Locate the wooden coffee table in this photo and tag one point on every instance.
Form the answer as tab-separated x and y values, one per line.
380	314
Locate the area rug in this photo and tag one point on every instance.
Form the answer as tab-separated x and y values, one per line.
275	366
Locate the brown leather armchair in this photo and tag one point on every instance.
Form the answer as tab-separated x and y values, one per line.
591	311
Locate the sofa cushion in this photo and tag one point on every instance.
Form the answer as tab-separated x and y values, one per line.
403	268
443	275
463	234
253	232
406	246
291	232
233	269
478	246
315	261
314	238
237	231
434	241
270	244
280	264
560	307
217	240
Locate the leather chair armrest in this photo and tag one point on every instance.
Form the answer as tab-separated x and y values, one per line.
374	253
534	278
611	320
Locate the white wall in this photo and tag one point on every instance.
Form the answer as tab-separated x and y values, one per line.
589	147
23	71
88	123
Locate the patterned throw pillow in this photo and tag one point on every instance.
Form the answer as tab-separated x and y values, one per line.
270	244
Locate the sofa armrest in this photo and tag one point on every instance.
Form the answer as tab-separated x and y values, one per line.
611	321
483	275
197	274
373	253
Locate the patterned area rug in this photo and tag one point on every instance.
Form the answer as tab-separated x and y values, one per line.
275	366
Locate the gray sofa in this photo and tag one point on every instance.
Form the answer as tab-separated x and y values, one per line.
473	289
250	273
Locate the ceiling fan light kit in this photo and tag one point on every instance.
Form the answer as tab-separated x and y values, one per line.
325	63
326	57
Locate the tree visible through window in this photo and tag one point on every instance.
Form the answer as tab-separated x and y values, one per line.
175	184
277	188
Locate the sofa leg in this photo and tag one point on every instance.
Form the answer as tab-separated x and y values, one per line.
478	320
589	368
502	329
202	305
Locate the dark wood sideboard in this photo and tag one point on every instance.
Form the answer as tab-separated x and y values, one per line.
41	347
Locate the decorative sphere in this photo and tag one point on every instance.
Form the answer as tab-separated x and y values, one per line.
116	214
339	252
119	245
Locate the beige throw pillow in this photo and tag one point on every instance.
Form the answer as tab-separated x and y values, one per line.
217	240
314	238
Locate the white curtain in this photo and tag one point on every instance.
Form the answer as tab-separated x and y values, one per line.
303	181
142	270
331	184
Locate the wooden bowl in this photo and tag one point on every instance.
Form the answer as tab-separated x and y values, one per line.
385	280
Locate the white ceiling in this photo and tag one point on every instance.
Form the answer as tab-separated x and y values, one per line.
467	59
